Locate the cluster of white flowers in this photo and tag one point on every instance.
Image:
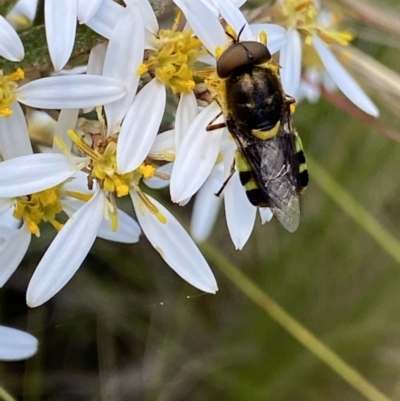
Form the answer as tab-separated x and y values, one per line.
114	148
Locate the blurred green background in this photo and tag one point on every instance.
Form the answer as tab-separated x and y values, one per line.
127	328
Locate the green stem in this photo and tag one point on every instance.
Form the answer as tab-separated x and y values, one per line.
356	211
293	327
4	395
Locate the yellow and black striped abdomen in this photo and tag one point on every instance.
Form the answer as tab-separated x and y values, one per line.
254	191
302	174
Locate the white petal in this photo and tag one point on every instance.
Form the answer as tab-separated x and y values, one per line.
164	146
139	130
67	252
70	92
14	136
79	183
66	121
5	205
238	3
240	213
12	251
233	16
265	214
29	174
16	344
7	219
196	156
11	46
290	61
174	245
207	59
276	35
185	115
96	64
211	6
150	20
60	19
25	9
96	59
122	64
128	230
343	79
104	21
328	83
156	182
204	24
87	9
206	206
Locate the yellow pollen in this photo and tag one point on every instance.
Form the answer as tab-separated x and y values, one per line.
147	170
174	59
6	112
38	207
17	75
32	227
7	88
143	69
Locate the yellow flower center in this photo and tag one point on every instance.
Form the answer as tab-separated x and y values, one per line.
7	88
174	59
304	16
38	207
103	166
44	206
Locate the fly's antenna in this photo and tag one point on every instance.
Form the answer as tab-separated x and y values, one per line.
236	40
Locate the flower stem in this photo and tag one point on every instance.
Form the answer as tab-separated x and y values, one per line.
354	209
292	326
5	396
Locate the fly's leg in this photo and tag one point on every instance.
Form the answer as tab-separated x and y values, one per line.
211	126
227	180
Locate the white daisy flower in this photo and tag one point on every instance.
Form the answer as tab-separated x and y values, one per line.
113	180
36	188
305	19
16	345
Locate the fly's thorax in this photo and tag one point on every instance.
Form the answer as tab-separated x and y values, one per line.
254	98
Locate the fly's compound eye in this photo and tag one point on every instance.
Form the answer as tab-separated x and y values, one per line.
241	54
